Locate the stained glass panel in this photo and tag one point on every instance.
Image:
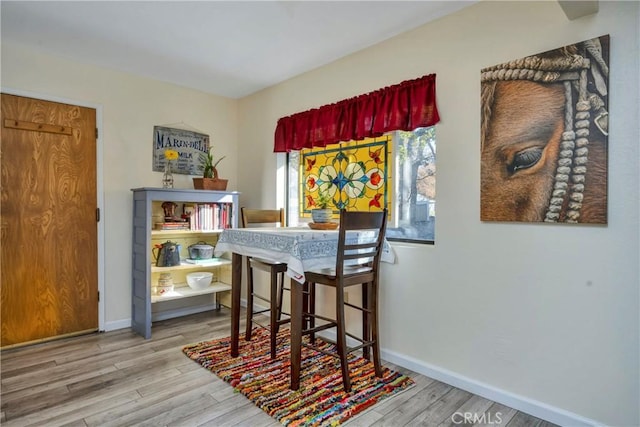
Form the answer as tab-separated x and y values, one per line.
355	175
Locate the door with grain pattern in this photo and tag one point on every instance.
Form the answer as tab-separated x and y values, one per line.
49	253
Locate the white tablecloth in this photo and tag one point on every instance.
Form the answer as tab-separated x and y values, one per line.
301	248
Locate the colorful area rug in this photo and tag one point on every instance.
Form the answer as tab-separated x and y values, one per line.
320	401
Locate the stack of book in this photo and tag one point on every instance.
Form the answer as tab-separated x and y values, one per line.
172	225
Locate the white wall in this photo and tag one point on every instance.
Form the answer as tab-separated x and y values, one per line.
545	317
131	107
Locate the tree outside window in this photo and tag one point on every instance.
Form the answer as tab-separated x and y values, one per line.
415	191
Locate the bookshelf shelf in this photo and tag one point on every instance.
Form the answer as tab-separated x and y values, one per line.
182	290
171	233
186	265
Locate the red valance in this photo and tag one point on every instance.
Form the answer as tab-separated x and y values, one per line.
405	106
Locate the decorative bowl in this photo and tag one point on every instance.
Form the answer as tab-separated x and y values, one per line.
165	284
199	280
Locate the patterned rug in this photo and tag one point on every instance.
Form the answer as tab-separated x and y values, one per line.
320	401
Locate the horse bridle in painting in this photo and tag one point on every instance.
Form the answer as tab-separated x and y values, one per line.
578	72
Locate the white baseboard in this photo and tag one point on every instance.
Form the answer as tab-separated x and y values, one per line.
117	324
126	323
521	403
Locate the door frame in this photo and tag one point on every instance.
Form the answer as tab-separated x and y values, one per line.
99	182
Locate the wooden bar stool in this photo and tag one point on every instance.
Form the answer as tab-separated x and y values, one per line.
265	217
357	263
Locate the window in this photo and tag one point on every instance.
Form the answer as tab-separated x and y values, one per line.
397	170
415	162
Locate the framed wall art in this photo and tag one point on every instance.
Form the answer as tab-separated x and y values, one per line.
544	136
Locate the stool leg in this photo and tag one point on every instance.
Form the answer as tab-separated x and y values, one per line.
305	304
273	306
280	286
366	319
375	328
341	339
249	325
312	311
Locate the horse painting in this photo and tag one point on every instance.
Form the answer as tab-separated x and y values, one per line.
544	136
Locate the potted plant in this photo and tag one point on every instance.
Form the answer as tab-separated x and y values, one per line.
210	179
322	213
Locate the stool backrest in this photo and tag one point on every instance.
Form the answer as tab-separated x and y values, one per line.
363	251
262	217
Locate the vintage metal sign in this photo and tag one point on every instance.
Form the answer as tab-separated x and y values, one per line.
189	145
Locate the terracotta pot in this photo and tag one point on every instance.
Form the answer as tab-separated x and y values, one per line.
210	184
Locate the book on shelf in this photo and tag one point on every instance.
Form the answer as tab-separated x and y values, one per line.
172	226
210	216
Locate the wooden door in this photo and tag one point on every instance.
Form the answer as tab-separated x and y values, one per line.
49	254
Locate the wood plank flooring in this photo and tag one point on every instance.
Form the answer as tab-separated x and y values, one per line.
120	379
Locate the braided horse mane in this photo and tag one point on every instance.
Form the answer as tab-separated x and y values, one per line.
583	71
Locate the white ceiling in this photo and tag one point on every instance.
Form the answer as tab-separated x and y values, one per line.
228	48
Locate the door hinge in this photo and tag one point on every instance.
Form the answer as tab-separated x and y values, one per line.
96	133
97	214
98	296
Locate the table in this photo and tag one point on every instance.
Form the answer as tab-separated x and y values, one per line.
302	249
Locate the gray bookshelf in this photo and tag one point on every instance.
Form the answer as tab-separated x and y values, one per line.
147	307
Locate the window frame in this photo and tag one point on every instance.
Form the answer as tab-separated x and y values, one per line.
395	182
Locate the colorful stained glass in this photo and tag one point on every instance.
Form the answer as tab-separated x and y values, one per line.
355	175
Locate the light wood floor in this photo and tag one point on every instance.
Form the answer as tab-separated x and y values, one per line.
120	379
